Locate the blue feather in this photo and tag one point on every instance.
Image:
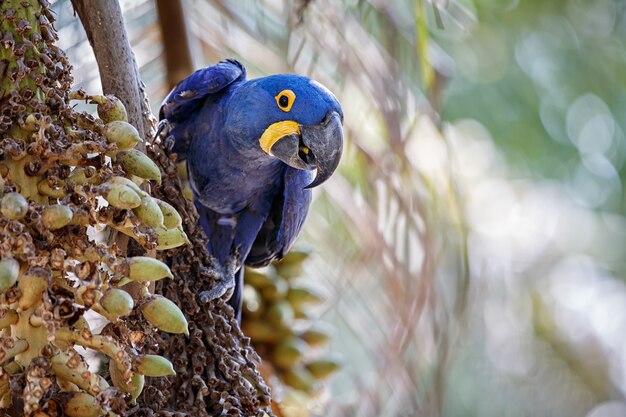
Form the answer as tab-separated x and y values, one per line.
251	205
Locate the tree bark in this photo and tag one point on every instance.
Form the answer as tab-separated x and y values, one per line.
178	58
119	74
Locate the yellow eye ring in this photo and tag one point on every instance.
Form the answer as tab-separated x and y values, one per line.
285	100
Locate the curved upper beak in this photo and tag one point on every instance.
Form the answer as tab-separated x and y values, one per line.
316	147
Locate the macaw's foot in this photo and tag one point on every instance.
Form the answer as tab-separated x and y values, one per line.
224	287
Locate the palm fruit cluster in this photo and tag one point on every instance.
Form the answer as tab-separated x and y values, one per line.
70	182
280	317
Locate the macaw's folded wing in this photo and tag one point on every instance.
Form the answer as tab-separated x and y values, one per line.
182	102
285	220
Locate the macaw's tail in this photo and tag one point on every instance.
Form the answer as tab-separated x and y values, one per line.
236	300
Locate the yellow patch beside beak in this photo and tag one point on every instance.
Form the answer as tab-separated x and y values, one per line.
276	131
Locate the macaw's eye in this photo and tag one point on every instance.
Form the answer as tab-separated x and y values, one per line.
285	100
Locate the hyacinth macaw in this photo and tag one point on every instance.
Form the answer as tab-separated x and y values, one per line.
251	147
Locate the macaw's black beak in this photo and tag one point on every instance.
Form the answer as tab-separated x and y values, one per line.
317	147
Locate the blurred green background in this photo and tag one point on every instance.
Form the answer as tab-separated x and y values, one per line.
471	246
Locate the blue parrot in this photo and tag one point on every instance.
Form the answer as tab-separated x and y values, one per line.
251	147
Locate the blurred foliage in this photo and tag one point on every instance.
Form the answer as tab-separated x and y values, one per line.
472	244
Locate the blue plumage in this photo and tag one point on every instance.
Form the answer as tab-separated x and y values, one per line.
251	147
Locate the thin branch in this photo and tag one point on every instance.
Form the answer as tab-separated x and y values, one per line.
178	58
104	25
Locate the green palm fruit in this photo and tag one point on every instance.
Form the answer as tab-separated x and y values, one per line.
280	313
133	386
9	271
117	302
122	133
253	304
138	163
299	297
315	336
288	352
295	403
294	257
165	315
129	183
299	378
323	368
46	189
57	216
259	279
110	108
149	212
155	365
170	238
289	270
144	268
82	175
81	324
291	265
187	192
275	290
181	170
13	206
82	405
260	332
121	196
171	217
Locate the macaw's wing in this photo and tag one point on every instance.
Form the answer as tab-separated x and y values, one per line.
287	215
229	239
191	93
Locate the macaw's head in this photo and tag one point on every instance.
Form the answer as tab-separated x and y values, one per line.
289	117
